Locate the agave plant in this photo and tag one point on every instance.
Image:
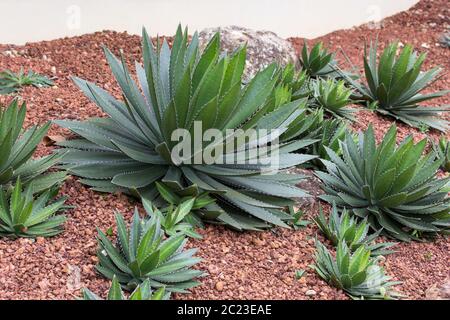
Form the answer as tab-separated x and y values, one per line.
17	148
23	215
394	86
312	126
174	219
305	126
142	253
11	82
355	234
291	86
318	62
393	187
296	82
142	292
356	273
333	96
329	134
197	212
183	88
298	222
442	151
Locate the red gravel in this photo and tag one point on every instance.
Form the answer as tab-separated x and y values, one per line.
258	265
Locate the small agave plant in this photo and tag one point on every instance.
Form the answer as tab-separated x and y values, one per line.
142	292
334	97
329	134
311	125
296	82
290	87
193	216
356	273
318	62
141	253
305	127
17	148
394	86
180	87
11	82
174	219
393	187
355	234
442	151
23	215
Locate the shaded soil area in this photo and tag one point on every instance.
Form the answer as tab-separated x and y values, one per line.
252	265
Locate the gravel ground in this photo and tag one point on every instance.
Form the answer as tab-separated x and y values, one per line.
253	265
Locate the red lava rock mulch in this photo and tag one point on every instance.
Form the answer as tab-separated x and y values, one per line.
257	265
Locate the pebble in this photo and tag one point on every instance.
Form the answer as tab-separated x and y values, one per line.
310	293
212	269
43	284
219	286
8	53
257	242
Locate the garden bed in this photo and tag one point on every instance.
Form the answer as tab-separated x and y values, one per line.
251	265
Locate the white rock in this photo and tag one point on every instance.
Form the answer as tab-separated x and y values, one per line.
263	47
310	293
8	53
